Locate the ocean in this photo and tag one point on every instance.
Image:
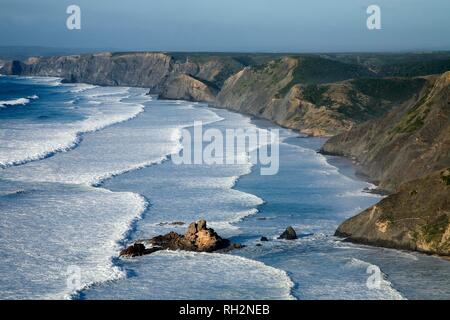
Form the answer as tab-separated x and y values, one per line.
86	170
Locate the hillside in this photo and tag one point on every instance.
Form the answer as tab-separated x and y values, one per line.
302	93
408	153
416	217
398	65
410	142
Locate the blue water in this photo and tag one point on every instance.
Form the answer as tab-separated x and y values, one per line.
87	170
46	100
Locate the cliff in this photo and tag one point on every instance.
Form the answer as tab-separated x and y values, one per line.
408	153
416	217
183	77
411	141
313	94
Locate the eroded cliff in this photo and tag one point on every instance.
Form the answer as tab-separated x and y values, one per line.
408	152
408	143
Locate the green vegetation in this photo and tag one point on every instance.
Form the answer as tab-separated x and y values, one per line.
361	110
314	94
416	68
414	120
445	177
389	89
316	70
382	93
415	117
399	64
387	217
433	232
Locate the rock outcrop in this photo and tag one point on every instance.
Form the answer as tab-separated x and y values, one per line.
288	234
197	238
187	88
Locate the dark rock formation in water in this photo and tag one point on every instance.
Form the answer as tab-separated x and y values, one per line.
288	234
137	249
197	238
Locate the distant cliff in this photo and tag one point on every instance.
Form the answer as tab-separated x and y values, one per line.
191	78
313	94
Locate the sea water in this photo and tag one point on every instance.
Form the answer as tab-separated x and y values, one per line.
87	170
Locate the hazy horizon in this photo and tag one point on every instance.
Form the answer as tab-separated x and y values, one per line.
266	26
94	49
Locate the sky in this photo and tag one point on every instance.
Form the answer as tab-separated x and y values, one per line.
228	26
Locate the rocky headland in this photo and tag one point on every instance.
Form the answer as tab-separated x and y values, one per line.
407	152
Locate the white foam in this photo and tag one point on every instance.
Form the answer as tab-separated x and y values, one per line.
80	87
14	102
17	102
49	81
48	228
116	150
188	275
25	142
358	193
386	290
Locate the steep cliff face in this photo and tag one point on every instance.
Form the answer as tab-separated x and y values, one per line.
198	78
251	89
288	90
144	70
410	142
416	217
185	87
408	152
293	92
296	111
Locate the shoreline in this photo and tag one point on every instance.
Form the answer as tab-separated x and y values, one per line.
357	174
257	122
232	187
